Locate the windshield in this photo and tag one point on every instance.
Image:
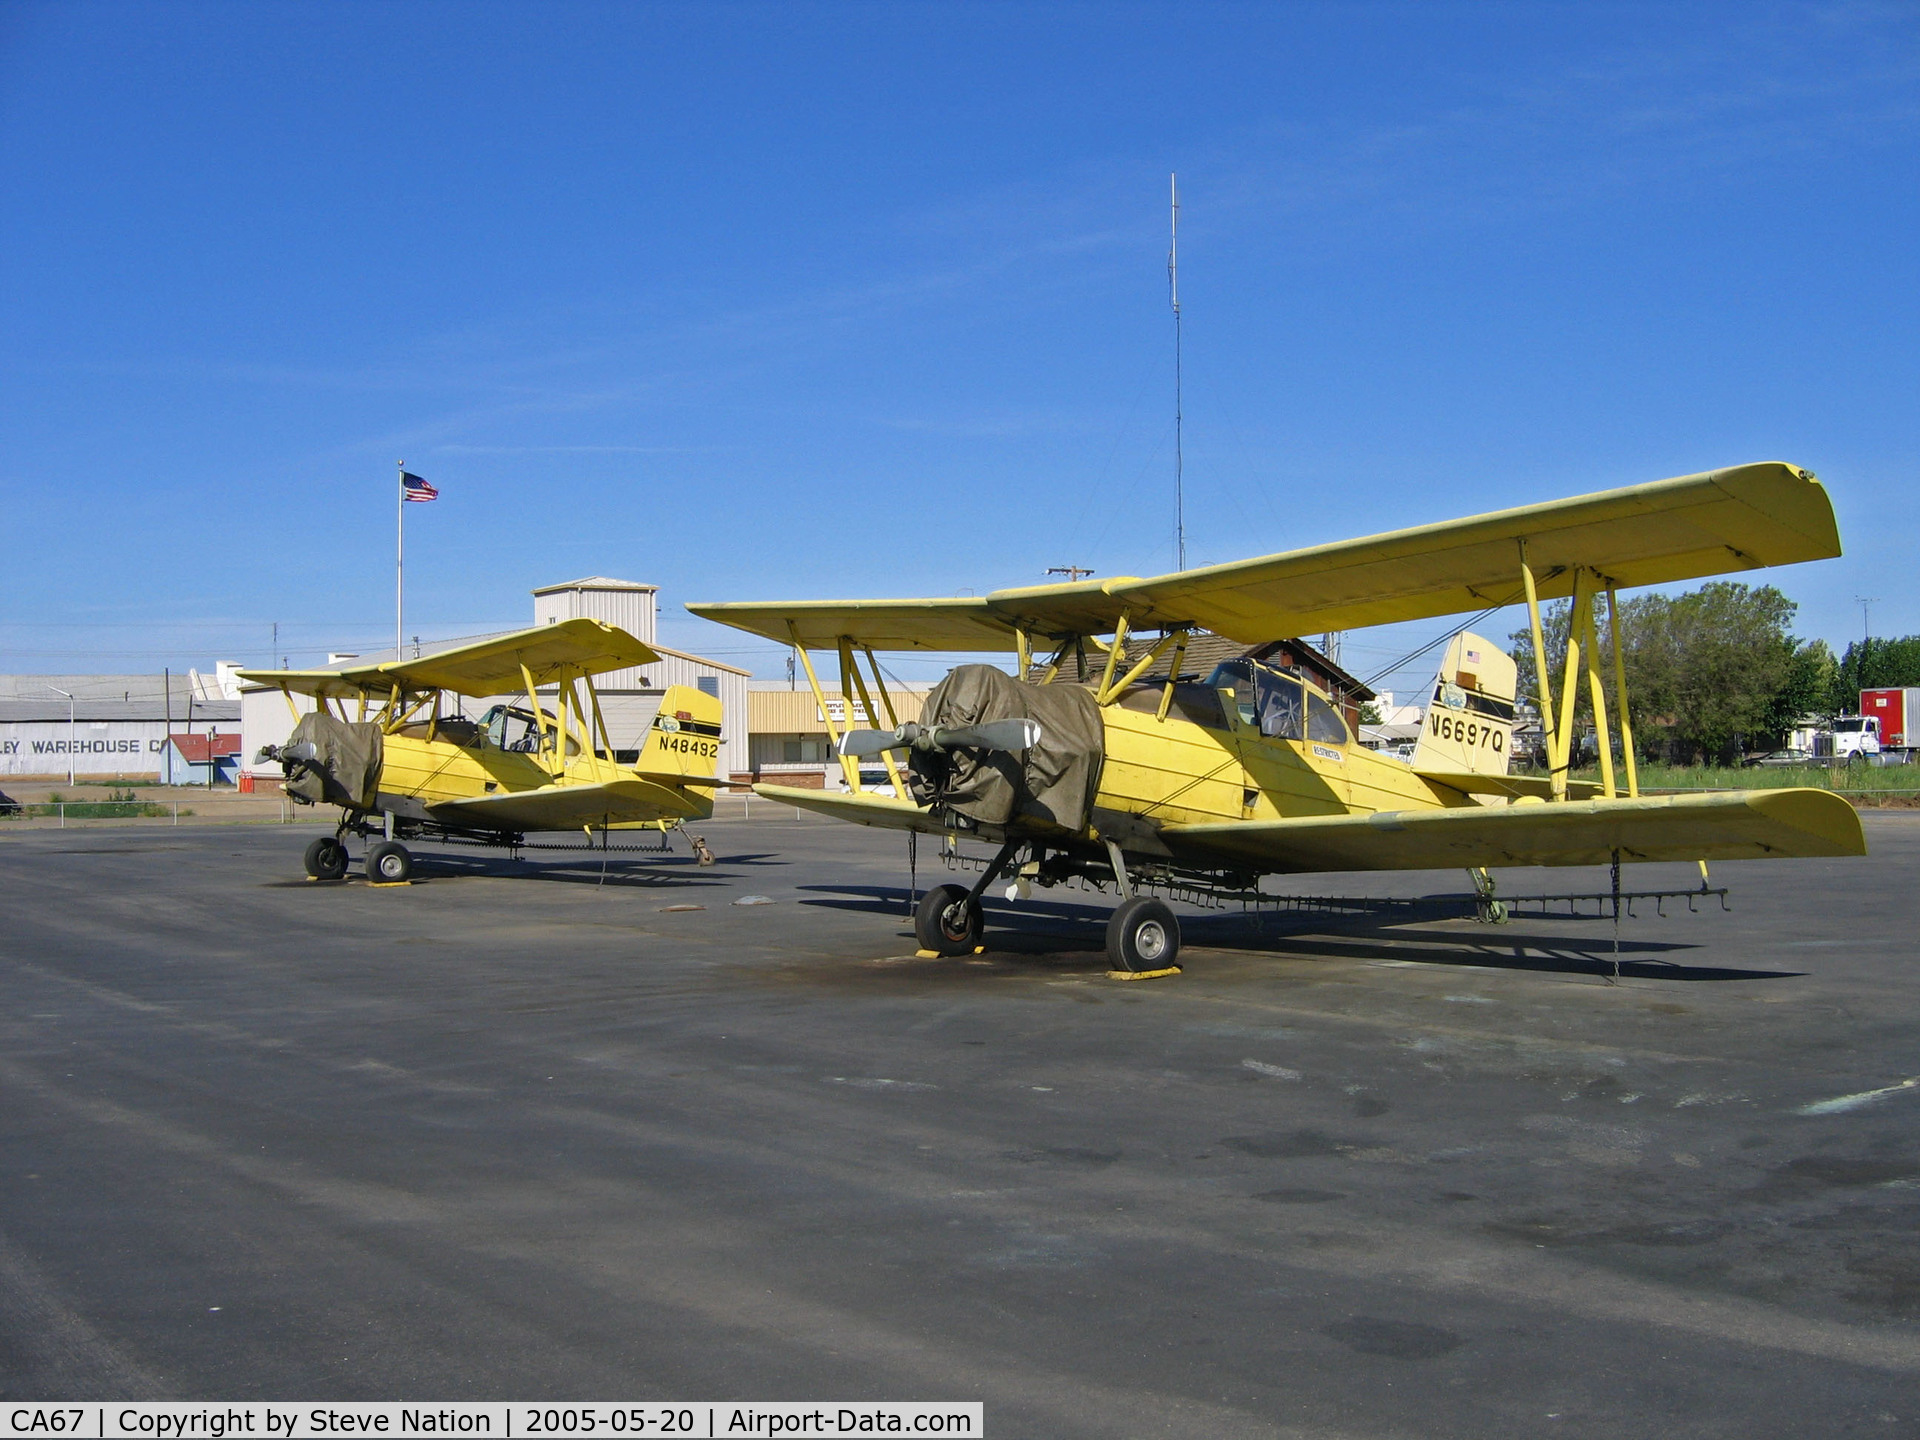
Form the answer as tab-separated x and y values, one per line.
508	727
1282	706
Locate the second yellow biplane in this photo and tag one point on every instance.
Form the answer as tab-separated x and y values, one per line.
1204	783
404	768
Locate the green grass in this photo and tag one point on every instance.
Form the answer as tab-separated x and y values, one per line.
1844	778
114	809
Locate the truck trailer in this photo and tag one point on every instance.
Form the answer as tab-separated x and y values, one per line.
1898	711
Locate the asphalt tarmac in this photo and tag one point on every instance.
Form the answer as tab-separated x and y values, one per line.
518	1132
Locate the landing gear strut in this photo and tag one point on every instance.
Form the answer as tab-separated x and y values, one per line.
1143	938
389	863
326	858
949	921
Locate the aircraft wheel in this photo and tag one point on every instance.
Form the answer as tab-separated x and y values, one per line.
326	858
946	921
388	863
1143	935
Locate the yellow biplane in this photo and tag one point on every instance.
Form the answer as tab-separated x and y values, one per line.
1204	783
404	768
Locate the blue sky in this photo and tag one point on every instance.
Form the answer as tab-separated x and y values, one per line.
815	300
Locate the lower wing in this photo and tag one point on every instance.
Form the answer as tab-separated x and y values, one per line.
859	807
569	807
1724	825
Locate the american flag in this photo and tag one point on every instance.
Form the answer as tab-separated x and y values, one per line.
414	488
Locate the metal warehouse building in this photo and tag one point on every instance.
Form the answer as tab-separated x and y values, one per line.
107	727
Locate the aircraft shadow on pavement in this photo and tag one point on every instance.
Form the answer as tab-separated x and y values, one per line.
1046	927
653	872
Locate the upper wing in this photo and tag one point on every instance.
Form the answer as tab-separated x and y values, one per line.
568	807
1725	825
962	623
1715	523
485	667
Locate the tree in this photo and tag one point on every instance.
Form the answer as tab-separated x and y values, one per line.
1870	664
1707	671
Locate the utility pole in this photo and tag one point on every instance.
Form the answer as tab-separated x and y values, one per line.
1072	572
1866	604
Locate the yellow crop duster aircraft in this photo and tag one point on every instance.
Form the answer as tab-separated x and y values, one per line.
410	770
1205	783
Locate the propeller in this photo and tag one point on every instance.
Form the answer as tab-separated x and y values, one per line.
992	735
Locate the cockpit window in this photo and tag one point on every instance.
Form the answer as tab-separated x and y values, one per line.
1282	703
1324	723
508	727
1273	702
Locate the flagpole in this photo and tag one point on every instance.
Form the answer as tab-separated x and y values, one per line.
399	551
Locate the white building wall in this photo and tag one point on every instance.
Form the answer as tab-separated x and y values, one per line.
631	607
100	748
265	720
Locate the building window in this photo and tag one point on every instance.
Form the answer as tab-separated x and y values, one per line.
791	752
709	685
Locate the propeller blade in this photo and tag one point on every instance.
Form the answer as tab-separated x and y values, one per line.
871	742
1007	735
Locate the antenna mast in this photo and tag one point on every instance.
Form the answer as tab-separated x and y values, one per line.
1179	452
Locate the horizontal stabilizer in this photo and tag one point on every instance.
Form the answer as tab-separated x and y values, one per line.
1540	787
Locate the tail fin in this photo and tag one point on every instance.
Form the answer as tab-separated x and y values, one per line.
684	738
1468	729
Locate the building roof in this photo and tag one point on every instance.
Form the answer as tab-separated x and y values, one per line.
87	711
699	659
124	688
193	748
595	582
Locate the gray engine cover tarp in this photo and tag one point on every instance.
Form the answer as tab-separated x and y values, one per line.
346	768
1061	774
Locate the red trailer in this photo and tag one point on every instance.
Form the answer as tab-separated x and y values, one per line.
1898	711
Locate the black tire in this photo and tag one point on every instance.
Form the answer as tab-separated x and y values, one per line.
388	863
946	921
1143	935
326	858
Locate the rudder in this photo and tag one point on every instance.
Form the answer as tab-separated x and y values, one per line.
684	738
1468	727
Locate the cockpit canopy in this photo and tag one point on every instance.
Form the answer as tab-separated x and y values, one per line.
1280	703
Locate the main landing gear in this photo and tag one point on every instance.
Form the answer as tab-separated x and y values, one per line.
1143	937
326	858
388	862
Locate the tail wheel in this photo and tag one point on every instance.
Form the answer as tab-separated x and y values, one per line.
947	921
326	858
1143	935
388	863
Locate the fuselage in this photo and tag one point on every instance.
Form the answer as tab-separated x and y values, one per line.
1182	770
438	771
